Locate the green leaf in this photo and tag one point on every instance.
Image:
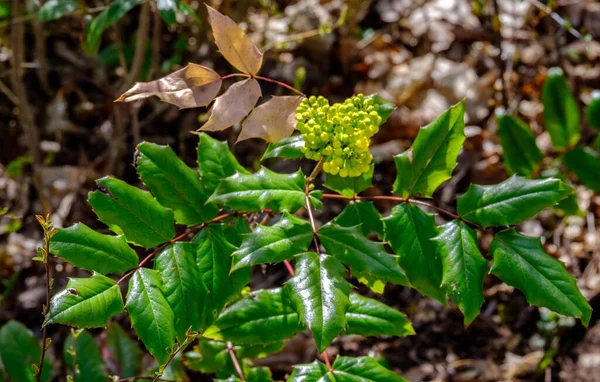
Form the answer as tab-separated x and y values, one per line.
369	317
349	246
320	293
264	189
585	163
433	155
257	374
87	249
273	244
173	184
187	10
151	316
592	112
124	350
214	260
167	9
182	286
561	115
90	365
287	148
372	283
364	369
132	212
522	156
349	187
115	11
86	303
521	262
464	267
19	349
260	317
409	231
215	162
55	9
363	214
510	202
311	372
385	108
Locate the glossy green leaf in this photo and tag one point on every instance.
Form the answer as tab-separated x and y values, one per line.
287	148
311	372
463	267
90	365
133	212
561	115
260	317
521	262
125	351
363	214
87	249
522	156
215	162
19	349
182	286
385	108
585	163
409	231
151	315
167	9
349	187
369	317
55	9
349	246
86	302
320	293
173	183
372	283
510	202
264	189
257	374
432	157
115	11
592	112
364	369
273	244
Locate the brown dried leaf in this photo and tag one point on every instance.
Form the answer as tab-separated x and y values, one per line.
233	43
233	105
273	120
192	86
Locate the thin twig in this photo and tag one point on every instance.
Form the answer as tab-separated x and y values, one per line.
316	170
282	84
185	343
47	226
234	359
556	17
327	361
140	48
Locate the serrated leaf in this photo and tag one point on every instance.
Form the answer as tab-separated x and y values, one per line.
287	148
231	107
363	256
592	112
561	115
320	293
522	156
167	9
257	374
124	350
347	186
260	317
55	9
233	43
521	262
432	157
364	369
19	349
87	249
215	162
585	163
273	244
151	315
192	86
311	372
115	11
213	256
86	302
173	183
510	202
409	231
363	214
90	365
369	317
132	212
464	267
264	189
182	286
385	108
272	121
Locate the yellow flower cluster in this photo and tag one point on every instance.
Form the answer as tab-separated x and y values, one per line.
340	132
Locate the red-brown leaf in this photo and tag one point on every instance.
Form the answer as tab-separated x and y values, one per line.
273	120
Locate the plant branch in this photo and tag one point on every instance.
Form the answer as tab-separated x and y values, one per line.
327	361
140	48
48	232
282	84
316	170
234	359
185	343
556	17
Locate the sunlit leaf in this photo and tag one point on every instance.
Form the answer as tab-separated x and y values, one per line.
231	107
167	9
369	317
364	369
55	9
273	120
287	148
363	214
350	186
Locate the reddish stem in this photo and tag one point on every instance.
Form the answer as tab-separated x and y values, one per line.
280	84
289	267
326	359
